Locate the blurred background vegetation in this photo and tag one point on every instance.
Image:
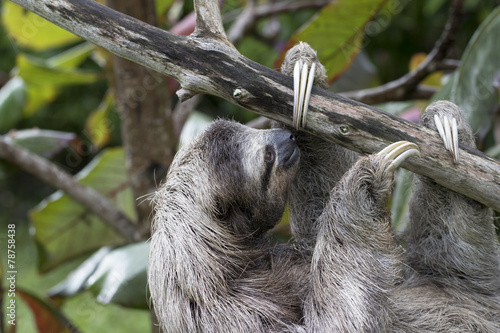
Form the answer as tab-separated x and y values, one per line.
58	99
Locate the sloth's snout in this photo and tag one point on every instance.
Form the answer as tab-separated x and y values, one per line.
286	148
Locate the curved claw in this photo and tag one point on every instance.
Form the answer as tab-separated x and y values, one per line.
398	152
448	131
303	79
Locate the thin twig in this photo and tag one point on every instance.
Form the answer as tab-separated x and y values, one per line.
60	179
182	111
270	9
244	21
400	89
447	65
259	123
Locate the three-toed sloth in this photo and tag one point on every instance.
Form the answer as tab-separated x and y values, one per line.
213	268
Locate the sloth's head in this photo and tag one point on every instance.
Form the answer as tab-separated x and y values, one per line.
237	175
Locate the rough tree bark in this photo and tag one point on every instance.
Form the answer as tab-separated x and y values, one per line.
146	117
206	62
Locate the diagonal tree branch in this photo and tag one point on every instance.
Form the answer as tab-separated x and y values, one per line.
211	66
60	179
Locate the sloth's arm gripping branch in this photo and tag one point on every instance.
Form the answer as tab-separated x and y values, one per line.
206	63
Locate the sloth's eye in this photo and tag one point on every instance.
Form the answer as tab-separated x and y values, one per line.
269	156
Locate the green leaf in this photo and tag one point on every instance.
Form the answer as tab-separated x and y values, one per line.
72	57
471	86
336	33
12	98
117	276
42	142
64	230
34	71
400	199
98	125
31	31
161	6
43	81
494	152
47	317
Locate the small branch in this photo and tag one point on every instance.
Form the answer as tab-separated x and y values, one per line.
401	88
209	66
209	21
422	92
259	123
58	178
390	93
244	21
269	9
447	65
182	111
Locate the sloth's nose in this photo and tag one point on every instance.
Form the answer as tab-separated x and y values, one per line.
286	148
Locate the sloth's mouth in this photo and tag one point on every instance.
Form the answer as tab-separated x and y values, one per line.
291	158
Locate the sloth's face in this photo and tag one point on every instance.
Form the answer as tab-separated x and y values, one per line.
254	169
269	163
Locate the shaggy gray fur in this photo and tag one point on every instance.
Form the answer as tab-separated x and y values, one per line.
211	265
356	263
452	281
213	269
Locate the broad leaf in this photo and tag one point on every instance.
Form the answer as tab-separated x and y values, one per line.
336	33
400	199
63	229
72	57
44	82
42	142
98	125
12	98
31	31
161	6
117	276
471	86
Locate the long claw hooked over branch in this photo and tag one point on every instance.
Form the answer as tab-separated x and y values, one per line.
303	79
448	130
398	152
